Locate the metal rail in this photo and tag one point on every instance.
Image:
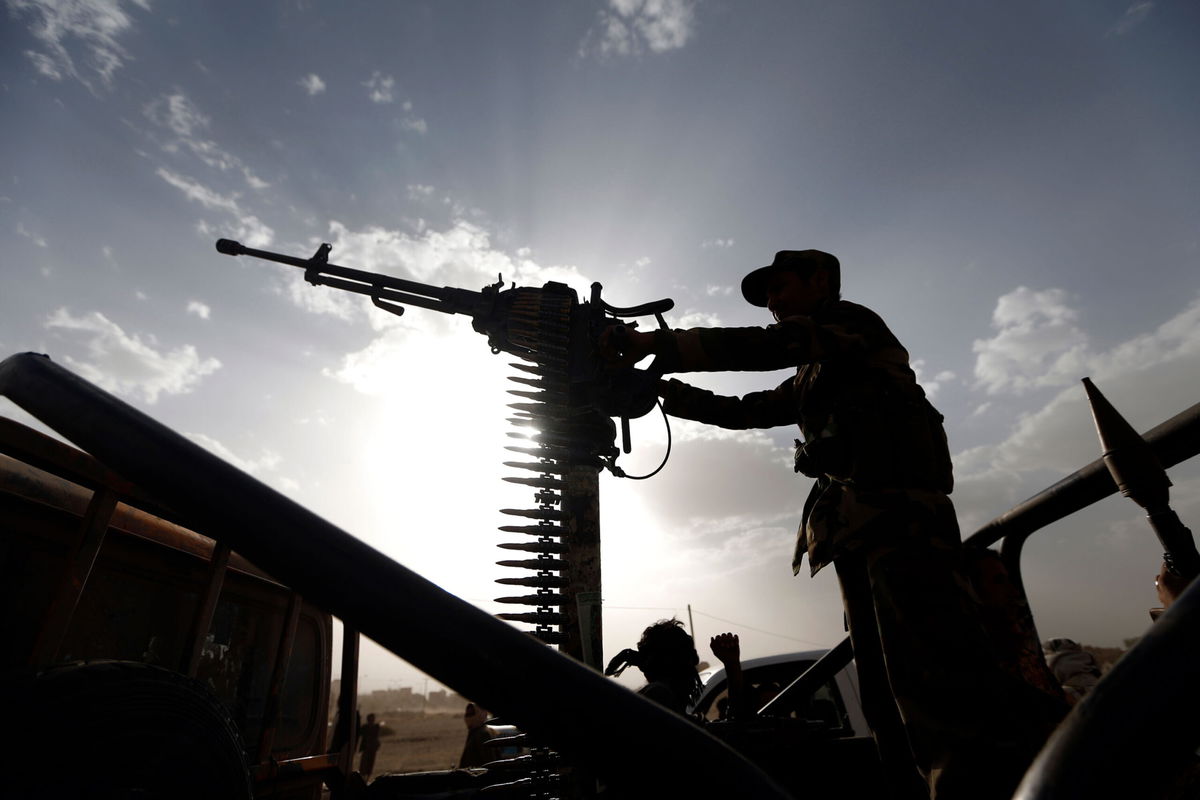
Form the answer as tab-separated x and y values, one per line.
553	697
1173	442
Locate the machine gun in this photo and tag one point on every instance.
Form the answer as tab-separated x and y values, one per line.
574	396
546	326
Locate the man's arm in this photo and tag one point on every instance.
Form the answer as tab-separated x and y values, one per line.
727	649
767	409
843	330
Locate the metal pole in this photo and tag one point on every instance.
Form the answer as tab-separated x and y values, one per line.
583	629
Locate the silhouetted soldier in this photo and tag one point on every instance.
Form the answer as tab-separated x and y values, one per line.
476	751
667	656
879	511
368	743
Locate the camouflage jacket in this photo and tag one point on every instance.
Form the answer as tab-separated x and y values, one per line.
870	437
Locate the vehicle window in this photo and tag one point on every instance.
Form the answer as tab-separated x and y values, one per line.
823	708
298	703
238	655
137	605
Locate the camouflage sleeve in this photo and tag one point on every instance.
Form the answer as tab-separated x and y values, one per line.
768	409
840	331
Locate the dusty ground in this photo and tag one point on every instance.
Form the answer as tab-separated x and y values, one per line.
420	742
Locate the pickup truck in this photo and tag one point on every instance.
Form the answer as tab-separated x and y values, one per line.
135	646
1124	737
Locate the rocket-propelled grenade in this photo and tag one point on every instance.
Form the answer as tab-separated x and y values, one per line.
1140	477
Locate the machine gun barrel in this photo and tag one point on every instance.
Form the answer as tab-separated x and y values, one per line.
383	289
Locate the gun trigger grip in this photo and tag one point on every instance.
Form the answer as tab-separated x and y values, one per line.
625	444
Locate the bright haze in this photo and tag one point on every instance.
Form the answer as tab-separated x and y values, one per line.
1014	187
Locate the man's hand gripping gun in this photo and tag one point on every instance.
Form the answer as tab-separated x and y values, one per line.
546	326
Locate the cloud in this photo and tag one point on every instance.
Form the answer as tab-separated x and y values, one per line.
460	255
199	309
197	192
1037	343
720	244
188	125
379	87
631	27
129	365
319	299
249	229
697	319
312	84
414	124
88	28
268	461
1149	378
30	235
411	123
931	385
1134	16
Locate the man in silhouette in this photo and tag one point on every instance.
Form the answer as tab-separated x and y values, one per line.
878	510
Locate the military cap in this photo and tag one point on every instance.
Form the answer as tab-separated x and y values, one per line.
754	285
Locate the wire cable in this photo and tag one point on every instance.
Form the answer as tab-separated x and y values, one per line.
620	473
757	630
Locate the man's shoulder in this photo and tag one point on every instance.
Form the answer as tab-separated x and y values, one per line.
847	310
856	320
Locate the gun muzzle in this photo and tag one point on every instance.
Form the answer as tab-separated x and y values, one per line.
229	247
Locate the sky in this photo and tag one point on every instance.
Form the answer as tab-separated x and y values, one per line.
1014	187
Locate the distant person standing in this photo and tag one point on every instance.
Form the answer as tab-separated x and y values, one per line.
1074	668
476	752
368	744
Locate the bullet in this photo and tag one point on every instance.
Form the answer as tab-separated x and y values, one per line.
547	468
547	564
556	398
539	483
544	618
535	547
535	600
536	581
545	451
534	530
535	513
552	410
